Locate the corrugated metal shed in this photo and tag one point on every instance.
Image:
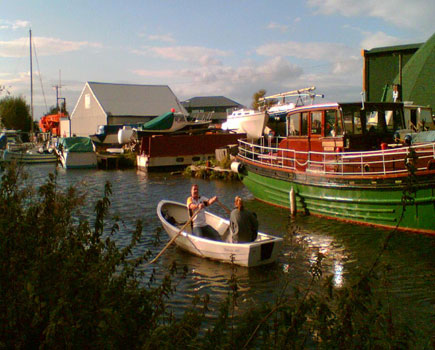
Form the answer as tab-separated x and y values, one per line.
135	100
382	65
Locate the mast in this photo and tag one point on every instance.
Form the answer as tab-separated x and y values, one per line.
31	83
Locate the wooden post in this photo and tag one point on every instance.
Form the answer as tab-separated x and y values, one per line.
292	200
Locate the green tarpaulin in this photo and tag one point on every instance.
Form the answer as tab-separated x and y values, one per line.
76	144
162	122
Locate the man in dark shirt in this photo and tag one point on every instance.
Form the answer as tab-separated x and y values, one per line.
243	223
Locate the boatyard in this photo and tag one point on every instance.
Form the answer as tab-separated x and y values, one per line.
268	183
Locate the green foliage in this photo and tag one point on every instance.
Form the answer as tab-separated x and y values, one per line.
256	97
65	284
15	114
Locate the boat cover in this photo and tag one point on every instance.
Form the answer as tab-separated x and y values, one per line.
423	136
76	144
162	122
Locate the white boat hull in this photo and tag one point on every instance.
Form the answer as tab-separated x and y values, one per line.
264	250
78	160
249	122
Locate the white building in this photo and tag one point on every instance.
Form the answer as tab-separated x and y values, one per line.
108	104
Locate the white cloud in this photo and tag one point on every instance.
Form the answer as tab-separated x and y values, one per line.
167	38
276	26
14	25
329	52
240	82
380	39
415	14
196	54
44	46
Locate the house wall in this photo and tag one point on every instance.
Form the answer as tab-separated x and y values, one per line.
64	128
87	115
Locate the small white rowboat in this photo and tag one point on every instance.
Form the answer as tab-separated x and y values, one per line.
264	250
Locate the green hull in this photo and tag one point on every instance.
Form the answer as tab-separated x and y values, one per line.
370	201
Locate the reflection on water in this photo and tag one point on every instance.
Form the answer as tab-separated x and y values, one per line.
347	249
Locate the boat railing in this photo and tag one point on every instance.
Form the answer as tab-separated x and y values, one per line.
379	162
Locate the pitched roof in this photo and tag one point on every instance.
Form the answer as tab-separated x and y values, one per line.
135	100
210	101
389	49
418	76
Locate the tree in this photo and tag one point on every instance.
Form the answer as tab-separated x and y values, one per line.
256	97
15	113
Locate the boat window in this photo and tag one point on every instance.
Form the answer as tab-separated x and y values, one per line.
394	120
332	126
375	122
294	124
352	122
316	123
304	124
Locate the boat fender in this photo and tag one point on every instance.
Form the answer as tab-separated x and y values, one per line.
366	168
431	164
125	134
237	167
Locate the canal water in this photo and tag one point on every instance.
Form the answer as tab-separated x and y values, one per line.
348	249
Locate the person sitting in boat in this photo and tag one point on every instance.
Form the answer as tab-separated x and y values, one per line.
243	223
200	227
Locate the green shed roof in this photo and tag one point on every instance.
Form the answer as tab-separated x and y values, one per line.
397	48
418	76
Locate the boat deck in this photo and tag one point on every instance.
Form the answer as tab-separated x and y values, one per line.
379	162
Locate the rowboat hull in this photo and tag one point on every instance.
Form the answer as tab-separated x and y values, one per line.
264	250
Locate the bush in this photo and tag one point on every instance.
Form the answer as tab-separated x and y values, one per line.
65	284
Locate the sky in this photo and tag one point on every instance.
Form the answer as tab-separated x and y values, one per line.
202	47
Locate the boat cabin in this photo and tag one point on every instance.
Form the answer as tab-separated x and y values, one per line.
339	127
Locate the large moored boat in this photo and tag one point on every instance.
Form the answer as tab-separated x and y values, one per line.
343	161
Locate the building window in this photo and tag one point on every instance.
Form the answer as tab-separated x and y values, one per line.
87	101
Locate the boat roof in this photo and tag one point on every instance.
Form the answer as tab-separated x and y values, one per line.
368	105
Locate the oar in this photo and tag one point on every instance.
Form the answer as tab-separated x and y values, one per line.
174	238
224	206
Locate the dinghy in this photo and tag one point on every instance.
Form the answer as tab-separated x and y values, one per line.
174	215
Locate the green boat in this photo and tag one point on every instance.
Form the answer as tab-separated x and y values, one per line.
345	161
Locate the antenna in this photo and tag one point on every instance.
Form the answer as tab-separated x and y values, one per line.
31	82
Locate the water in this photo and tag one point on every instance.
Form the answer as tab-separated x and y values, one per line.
348	249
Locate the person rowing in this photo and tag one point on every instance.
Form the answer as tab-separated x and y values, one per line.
200	227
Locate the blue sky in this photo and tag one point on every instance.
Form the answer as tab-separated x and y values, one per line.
200	48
